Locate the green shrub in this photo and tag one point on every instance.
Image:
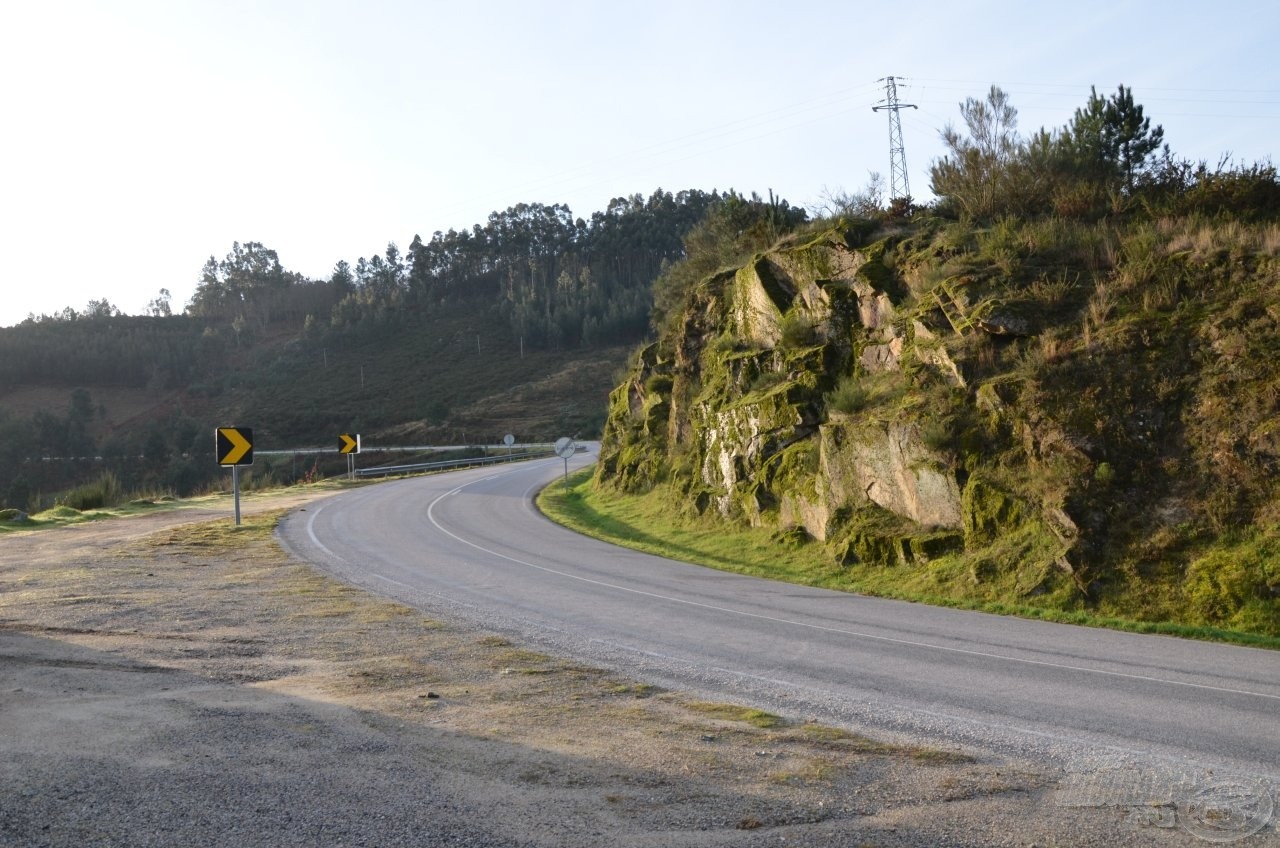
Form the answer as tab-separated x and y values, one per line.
935	432
797	331
1002	244
849	396
103	492
766	380
658	384
1238	586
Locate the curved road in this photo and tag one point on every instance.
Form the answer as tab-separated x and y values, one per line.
471	543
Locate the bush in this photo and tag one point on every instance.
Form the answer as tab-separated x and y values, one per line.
103	492
849	396
797	331
1238	586
766	380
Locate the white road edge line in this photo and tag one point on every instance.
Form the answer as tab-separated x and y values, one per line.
777	620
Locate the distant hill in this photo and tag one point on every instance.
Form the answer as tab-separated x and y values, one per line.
517	326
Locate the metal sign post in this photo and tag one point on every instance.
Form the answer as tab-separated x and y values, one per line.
235	487
565	448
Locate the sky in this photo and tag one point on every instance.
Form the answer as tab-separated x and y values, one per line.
140	138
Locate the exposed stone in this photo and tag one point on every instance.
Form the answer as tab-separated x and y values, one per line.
1005	325
942	361
799	509
890	467
882	357
875	310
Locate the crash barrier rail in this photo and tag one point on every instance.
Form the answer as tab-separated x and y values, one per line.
385	470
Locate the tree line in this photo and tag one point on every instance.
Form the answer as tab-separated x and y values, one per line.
1108	160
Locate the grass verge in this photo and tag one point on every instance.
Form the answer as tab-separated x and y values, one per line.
653	524
12	520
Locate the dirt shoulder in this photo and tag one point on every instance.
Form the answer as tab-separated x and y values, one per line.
168	679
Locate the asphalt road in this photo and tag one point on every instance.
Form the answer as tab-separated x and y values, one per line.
471	543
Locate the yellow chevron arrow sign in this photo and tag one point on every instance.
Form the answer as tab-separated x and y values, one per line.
235	446
348	443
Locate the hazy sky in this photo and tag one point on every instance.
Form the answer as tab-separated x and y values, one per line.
139	138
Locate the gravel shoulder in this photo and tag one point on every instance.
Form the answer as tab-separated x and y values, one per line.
168	679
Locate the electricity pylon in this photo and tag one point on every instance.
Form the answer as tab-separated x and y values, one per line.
897	155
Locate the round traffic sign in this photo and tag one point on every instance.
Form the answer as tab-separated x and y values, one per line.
565	447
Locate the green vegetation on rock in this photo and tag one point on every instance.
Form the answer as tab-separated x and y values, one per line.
1053	404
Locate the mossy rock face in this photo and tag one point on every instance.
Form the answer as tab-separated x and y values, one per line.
989	512
1118	376
875	271
656	410
1238	585
934	545
634	469
793	536
883	547
753	315
865	547
632	449
794	469
14	516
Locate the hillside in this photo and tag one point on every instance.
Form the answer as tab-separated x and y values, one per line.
1066	414
423	381
515	326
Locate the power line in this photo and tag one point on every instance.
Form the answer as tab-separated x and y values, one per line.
710	139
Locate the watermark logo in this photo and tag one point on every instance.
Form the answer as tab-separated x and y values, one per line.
1226	811
1213	809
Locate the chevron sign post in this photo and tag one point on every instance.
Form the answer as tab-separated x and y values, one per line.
349	444
234	446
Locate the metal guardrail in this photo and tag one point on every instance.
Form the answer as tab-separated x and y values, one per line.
386	470
368	448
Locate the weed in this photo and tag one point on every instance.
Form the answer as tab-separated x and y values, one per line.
797	331
849	396
104	491
732	712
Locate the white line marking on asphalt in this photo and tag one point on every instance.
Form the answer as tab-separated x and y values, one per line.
839	631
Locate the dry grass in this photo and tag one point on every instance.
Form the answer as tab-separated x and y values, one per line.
229	606
1203	240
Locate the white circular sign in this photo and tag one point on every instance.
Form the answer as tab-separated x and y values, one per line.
565	447
508	440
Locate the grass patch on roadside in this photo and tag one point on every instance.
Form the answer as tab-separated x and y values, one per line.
733	712
648	523
12	520
220	533
652	523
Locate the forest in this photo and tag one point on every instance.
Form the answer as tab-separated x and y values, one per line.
533	278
